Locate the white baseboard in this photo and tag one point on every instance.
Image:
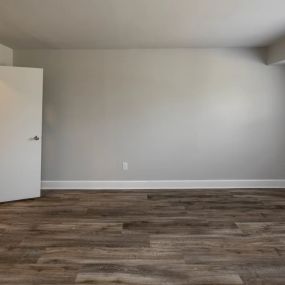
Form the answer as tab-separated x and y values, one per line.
162	184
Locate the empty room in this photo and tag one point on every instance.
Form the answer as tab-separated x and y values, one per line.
142	142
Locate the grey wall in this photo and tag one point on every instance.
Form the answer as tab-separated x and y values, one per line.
172	114
276	52
6	55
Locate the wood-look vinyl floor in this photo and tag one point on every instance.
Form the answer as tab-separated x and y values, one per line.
176	237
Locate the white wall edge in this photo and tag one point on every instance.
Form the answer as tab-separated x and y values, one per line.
161	184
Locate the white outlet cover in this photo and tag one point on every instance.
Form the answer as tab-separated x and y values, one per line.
125	165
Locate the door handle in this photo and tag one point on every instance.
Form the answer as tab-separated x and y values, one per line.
36	138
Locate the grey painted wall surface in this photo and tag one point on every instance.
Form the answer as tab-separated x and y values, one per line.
171	114
6	55
276	52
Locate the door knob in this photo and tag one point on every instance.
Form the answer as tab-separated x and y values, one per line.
36	138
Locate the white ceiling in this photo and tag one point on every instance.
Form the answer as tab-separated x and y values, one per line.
140	23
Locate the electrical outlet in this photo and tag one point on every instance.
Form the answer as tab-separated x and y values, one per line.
125	166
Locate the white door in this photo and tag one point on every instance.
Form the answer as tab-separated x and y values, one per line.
20	132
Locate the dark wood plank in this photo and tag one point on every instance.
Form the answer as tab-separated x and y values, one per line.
173	237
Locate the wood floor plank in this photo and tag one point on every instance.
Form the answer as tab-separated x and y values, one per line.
145	237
